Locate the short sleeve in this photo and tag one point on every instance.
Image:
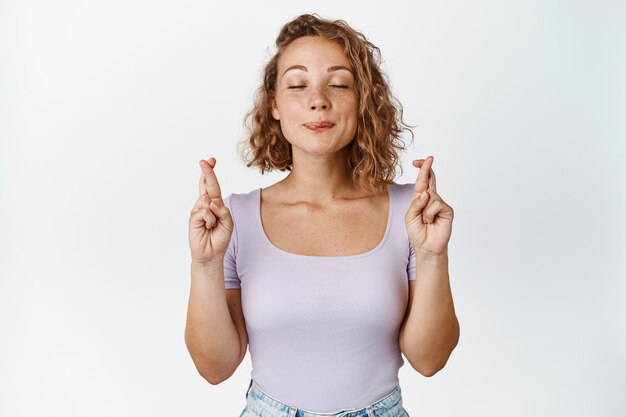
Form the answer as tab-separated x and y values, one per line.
410	269
231	278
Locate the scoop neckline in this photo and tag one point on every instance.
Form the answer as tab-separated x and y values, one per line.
275	248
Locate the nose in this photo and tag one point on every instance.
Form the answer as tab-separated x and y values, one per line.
318	100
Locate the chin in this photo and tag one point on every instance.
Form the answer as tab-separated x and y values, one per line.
319	149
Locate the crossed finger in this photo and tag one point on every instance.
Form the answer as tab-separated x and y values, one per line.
208	180
426	178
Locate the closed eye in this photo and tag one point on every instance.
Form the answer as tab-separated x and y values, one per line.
336	86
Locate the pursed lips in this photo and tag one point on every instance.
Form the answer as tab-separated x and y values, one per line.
319	125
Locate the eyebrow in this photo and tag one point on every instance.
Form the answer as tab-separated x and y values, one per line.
330	69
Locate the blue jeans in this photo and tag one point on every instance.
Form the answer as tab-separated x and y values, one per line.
260	404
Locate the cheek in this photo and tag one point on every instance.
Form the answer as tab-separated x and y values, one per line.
347	99
349	108
288	106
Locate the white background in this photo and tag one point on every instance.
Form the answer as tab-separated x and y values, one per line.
106	108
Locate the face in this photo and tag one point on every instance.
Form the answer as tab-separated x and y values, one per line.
315	84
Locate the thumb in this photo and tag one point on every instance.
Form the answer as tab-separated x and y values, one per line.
417	205
222	212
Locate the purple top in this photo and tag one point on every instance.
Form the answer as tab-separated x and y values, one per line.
322	330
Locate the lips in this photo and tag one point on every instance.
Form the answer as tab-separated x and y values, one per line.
319	125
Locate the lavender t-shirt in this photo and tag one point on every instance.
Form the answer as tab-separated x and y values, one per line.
322	330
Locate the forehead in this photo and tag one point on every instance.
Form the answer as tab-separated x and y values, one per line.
312	51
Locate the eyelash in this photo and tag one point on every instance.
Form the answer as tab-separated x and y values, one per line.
302	86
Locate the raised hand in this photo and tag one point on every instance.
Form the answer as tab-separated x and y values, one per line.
210	223
428	219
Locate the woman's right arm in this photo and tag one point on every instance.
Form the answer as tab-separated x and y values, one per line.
211	335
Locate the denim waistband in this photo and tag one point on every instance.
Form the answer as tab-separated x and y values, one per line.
264	405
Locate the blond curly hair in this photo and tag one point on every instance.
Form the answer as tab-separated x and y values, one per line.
373	155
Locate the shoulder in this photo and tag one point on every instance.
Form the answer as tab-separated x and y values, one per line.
404	190
404	194
240	199
242	207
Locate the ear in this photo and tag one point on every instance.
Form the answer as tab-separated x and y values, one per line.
275	109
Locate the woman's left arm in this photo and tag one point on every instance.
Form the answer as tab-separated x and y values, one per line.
430	330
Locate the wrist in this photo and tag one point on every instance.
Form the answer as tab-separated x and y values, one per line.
429	258
208	265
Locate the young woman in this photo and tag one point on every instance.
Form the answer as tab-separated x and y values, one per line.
320	269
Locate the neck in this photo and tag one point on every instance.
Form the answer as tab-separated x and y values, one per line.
319	179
